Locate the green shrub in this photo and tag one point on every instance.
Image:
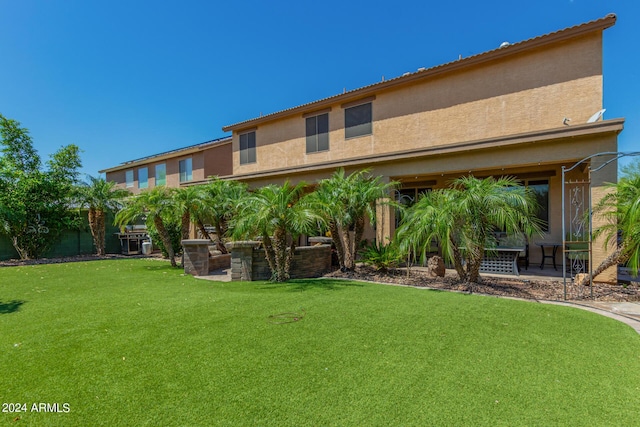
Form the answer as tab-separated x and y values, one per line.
381	257
175	232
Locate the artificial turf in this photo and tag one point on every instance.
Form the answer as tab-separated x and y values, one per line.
135	342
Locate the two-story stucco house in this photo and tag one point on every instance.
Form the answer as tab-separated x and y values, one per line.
524	109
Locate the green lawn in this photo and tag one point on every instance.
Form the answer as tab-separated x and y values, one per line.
134	343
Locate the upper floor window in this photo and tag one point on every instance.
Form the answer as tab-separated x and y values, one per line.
128	176
161	174
143	178
186	172
247	148
317	133
357	121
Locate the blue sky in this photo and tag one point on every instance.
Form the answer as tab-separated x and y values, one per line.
126	79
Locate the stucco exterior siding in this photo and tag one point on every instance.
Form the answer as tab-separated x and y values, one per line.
217	161
214	160
531	91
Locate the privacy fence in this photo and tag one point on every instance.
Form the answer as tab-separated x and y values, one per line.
71	243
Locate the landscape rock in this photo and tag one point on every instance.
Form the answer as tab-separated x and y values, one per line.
436	266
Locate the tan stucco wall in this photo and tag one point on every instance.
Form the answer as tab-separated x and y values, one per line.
530	91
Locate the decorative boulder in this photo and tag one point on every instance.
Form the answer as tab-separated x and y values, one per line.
436	266
581	279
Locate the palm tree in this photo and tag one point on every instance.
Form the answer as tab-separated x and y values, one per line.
430	222
221	201
463	218
189	203
621	209
346	203
155	205
279	214
100	196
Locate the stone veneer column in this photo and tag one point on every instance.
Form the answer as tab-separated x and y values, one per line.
242	259
196	256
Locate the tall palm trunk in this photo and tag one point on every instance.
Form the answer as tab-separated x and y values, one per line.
457	262
166	239
203	230
474	260
358	236
289	258
269	253
93	227
185	227
280	252
337	242
100	231
617	257
221	230
97	227
347	245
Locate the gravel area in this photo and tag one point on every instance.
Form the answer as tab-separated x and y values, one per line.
551	290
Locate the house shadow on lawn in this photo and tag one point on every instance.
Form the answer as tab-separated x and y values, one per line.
298	285
10	307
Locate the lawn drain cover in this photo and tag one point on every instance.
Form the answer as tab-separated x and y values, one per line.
286	317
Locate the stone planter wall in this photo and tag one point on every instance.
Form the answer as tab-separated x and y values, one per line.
314	240
219	262
196	256
249	263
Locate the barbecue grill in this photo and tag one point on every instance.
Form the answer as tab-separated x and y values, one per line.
131	241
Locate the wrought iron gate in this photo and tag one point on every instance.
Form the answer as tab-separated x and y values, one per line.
577	218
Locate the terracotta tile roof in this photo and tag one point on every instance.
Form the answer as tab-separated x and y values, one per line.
510	49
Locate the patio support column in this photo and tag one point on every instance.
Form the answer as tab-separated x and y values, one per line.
385	218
